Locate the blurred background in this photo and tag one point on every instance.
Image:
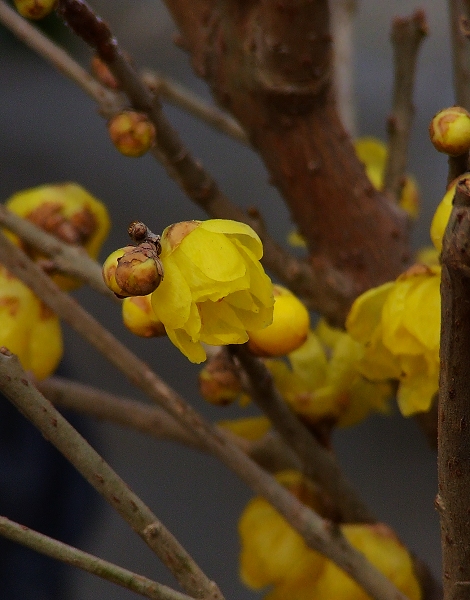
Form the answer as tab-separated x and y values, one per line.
51	132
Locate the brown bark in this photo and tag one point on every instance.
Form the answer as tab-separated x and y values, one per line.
270	64
453	501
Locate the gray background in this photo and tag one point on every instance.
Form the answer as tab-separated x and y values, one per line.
51	132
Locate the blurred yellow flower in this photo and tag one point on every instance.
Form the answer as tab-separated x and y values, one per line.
321	380
273	554
214	287
398	324
67	211
29	328
249	428
442	214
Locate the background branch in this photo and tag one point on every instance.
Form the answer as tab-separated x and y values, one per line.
82	560
407	35
459	13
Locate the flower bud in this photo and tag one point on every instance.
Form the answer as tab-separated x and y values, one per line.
138	317
450	131
289	328
132	133
101	71
109	270
139	271
34	9
219	380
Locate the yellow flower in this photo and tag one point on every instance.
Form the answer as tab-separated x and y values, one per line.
398	324
442	214
373	153
138	317
28	328
214	288
288	330
275	555
322	381
249	428
67	211
382	548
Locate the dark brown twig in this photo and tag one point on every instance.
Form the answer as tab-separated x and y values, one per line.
87	562
407	35
318	463
459	13
453	501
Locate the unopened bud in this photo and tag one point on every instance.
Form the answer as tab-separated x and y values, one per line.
139	271
109	270
131	133
287	332
219	380
138	316
34	9
450	131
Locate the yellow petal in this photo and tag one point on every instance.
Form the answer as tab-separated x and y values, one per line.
309	362
172	300
422	312
192	350
366	312
416	392
240	231
249	428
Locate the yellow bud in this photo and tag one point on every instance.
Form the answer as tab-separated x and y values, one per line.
109	270
131	133
138	317
34	9
139	270
450	131
289	328
219	380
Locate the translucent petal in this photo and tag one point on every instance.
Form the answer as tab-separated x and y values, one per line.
366	312
234	229
309	362
220	324
422	312
193	350
212	253
378	362
415	393
172	300
260	284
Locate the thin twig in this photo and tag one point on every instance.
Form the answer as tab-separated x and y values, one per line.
108	101
188	101
317	462
407	35
343	13
68	259
318	534
87	562
190	175
454	407
55	428
459	13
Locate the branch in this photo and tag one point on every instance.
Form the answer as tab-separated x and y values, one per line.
318	534
459	13
454	407
342	28
180	96
318	463
87	562
109	102
69	259
57	430
407	35
276	80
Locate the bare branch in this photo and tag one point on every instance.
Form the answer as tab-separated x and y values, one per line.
318	534
459	13
454	407
56	429
407	36
87	562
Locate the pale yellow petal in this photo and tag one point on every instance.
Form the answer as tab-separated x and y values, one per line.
366	312
234	229
192	350
171	301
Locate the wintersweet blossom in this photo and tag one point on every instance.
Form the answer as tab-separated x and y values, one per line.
321	380
211	287
29	328
67	211
398	324
273	554
442	214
